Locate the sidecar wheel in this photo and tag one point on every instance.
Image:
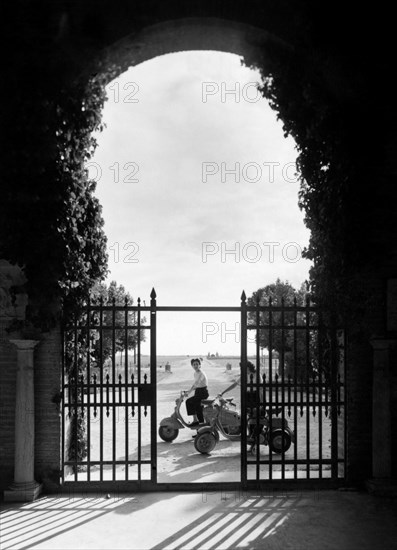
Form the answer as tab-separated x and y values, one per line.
205	443
280	442
168	434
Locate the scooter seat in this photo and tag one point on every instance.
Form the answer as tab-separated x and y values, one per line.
207	401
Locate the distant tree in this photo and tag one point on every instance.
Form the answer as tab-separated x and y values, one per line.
295	348
118	295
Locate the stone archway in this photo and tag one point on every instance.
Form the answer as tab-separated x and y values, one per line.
82	38
188	34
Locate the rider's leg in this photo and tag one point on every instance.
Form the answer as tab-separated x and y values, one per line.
191	409
199	413
202	393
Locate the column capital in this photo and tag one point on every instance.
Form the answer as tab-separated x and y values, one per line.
23	344
382	342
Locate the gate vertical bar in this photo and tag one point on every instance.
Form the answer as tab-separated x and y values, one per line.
295	389
63	395
138	396
282	361
88	388
101	388
320	333
126	433
243	340
153	381
75	396
270	382
257	387
114	358
334	407
307	386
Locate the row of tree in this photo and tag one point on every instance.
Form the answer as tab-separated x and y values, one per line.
124	340
112	336
294	334
301	350
302	343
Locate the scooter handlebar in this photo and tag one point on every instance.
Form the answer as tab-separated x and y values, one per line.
228	400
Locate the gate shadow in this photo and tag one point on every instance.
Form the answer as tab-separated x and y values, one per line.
180	462
242	523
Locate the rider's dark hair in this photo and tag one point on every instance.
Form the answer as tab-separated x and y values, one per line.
197	360
250	367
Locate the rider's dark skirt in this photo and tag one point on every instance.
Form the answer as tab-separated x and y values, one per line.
193	404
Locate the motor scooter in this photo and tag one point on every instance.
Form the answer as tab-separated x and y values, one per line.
221	420
170	426
217	416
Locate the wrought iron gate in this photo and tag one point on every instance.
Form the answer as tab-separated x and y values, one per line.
109	420
300	382
109	401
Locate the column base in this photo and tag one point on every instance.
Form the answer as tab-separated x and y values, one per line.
23	492
383	487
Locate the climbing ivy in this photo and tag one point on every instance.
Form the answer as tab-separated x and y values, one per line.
50	220
299	85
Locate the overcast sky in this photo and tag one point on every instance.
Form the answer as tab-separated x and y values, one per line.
187	172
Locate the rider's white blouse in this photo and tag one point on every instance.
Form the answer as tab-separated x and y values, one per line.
200	379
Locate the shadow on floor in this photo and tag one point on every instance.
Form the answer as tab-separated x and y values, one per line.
305	520
31	524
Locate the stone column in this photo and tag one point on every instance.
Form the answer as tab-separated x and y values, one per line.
24	488
381	482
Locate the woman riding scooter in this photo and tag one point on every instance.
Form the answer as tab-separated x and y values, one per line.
193	404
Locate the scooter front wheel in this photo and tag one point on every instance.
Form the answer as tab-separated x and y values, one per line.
168	434
205	443
280	441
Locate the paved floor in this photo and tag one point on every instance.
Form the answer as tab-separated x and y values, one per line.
320	520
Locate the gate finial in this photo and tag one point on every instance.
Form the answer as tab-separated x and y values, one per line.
243	296
153	294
